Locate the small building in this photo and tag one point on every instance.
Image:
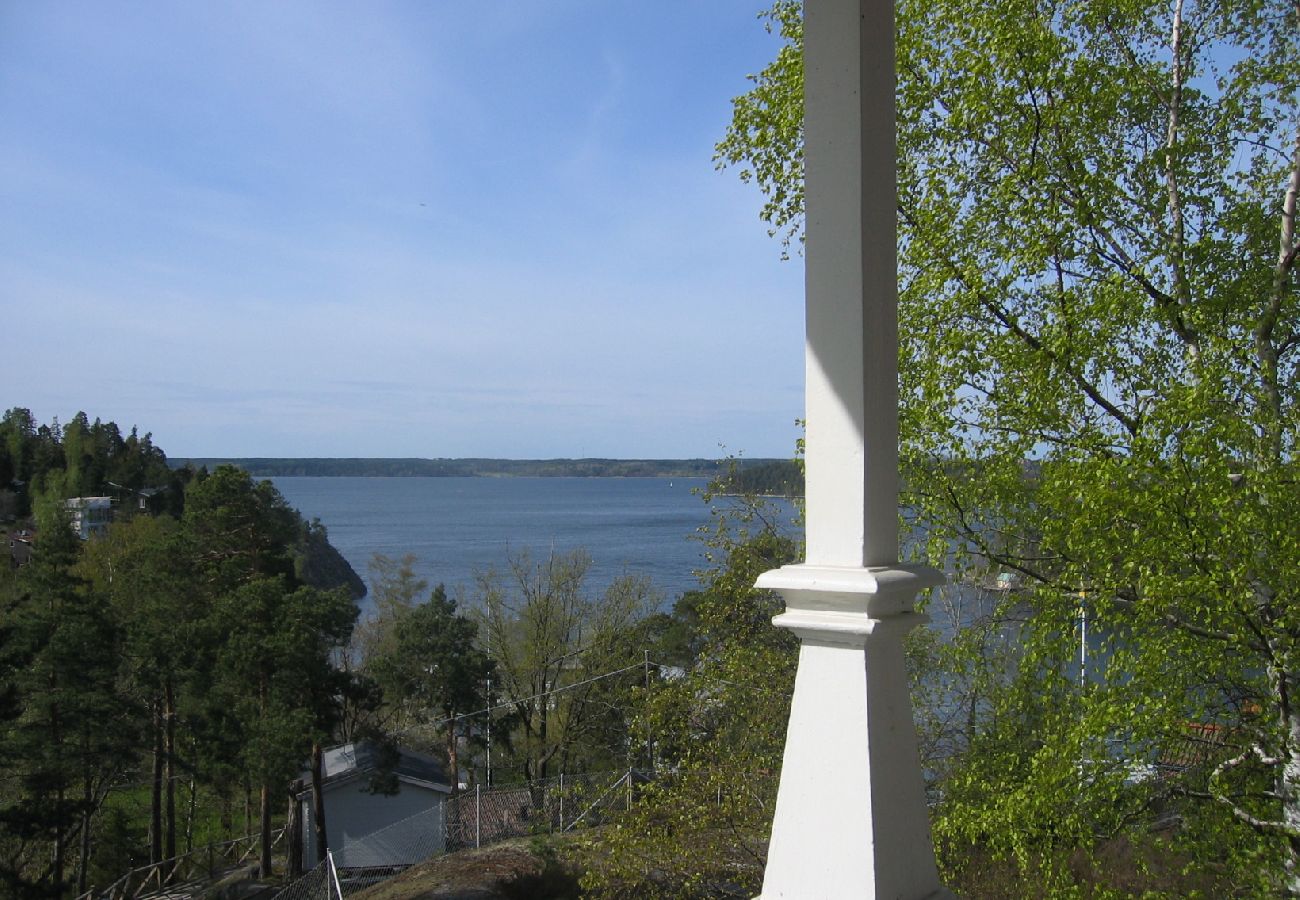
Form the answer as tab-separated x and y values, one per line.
382	810
89	515
20	546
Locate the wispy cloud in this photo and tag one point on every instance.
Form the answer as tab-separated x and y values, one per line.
309	228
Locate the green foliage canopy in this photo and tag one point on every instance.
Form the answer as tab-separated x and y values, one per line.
1099	332
715	728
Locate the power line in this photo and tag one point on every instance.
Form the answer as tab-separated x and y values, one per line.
641	666
509	704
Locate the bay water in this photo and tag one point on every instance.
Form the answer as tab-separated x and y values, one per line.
456	527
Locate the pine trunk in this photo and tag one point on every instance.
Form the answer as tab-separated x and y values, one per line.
60	846
453	758
318	800
59	863
155	793
293	834
169	758
227	814
265	816
83	861
189	817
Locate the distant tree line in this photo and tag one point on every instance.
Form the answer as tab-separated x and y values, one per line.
469	467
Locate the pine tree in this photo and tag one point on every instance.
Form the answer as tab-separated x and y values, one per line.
67	737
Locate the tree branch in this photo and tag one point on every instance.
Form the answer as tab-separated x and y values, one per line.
1177	235
1012	325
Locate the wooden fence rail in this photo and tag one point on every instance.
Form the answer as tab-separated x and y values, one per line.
201	862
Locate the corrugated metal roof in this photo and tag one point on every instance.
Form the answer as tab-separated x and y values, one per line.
367	757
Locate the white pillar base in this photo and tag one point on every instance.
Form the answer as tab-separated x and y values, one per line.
851	819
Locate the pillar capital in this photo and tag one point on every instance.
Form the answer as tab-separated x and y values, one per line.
847	593
851	819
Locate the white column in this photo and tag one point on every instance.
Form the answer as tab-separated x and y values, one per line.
851	819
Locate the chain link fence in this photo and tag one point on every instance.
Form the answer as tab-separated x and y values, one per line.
321	883
479	816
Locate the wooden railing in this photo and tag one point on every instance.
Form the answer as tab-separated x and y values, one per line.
201	863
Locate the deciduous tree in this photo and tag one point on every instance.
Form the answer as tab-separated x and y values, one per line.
1099	336
714	732
548	637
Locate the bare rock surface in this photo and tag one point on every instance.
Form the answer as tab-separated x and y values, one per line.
513	870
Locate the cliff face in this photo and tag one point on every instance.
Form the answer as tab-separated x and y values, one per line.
319	565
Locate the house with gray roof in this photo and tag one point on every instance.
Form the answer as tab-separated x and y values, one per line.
384	808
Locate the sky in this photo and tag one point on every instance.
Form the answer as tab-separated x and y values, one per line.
424	228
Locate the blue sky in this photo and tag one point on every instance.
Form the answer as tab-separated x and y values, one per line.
392	229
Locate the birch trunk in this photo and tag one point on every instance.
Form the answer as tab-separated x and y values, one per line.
169	773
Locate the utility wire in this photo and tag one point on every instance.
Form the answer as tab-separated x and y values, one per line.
511	704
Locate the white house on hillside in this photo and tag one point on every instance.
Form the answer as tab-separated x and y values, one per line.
89	515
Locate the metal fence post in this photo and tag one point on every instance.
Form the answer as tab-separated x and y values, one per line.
334	874
561	801
478	818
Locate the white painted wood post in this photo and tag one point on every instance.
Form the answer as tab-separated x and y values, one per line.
851	818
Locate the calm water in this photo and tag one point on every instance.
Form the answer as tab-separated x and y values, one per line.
459	526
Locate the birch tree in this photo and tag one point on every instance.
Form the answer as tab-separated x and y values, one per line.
548	638
1099	332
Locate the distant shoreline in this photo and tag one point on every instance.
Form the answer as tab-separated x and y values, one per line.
414	467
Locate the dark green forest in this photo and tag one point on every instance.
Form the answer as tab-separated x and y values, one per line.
83	459
162	682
